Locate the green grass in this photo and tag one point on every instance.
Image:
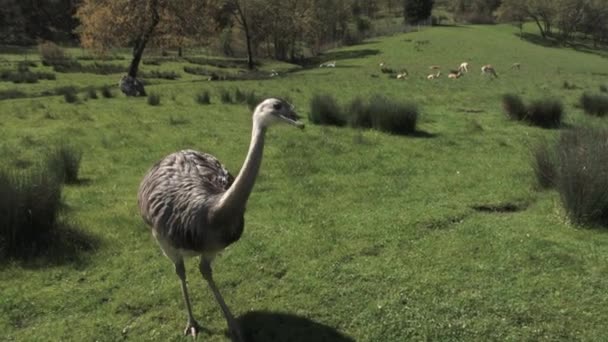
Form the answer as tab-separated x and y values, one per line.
373	235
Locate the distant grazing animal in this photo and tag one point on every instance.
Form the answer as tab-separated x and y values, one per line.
273	73
464	67
433	76
402	75
455	75
515	66
195	207
331	64
435	67
488	69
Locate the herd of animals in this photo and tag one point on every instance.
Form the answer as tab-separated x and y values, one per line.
462	69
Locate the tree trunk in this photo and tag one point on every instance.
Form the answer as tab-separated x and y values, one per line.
250	64
129	84
540	27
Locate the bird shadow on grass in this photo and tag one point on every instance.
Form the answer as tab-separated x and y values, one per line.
67	244
263	326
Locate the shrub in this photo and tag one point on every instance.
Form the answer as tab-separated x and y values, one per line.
514	106
582	155
569	86
252	100
29	202
392	117
106	92
154	99
604	88
203	97
547	113
544	164
324	110
11	94
167	75
239	96
51	53
69	93
225	96
64	161
92	93
595	104
359	114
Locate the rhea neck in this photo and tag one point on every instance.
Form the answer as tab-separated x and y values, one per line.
232	203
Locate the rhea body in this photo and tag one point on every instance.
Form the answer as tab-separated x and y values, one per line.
195	207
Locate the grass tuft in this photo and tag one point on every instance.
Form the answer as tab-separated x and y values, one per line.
154	99
106	92
544	164
514	106
65	162
91	93
203	97
225	96
594	104
547	113
604	88
391	116
582	155
324	110
30	202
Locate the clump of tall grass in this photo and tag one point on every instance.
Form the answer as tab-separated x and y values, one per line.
547	113
64	161
392	116
514	106
582	159
30	202
594	104
154	99
69	93
544	164
203	97
604	88
225	96
106	92
324	110
11	94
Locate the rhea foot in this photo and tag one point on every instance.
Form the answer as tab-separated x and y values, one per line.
193	328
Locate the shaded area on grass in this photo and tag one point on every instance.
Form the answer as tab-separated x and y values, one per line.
578	44
263	326
66	244
336	56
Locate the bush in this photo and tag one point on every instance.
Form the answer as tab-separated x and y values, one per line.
203	98
604	88
29	202
582	155
324	110
69	93
64	161
544	164
51	53
225	96
569	86
11	94
595	104
92	93
106	92
359	114
154	99
167	75
252	100
392	117
547	113
514	107
239	96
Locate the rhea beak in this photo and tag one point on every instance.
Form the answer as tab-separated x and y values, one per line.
292	118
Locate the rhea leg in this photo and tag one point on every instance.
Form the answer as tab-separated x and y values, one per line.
192	328
233	327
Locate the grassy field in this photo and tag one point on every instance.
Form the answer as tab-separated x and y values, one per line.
350	235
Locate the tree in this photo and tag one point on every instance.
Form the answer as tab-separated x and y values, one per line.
541	11
416	10
110	23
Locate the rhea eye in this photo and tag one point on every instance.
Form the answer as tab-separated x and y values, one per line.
277	106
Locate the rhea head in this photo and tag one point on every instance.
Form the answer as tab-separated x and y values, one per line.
273	110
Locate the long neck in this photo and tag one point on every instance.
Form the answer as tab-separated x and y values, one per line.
235	198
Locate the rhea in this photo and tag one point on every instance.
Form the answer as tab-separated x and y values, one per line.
195	207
